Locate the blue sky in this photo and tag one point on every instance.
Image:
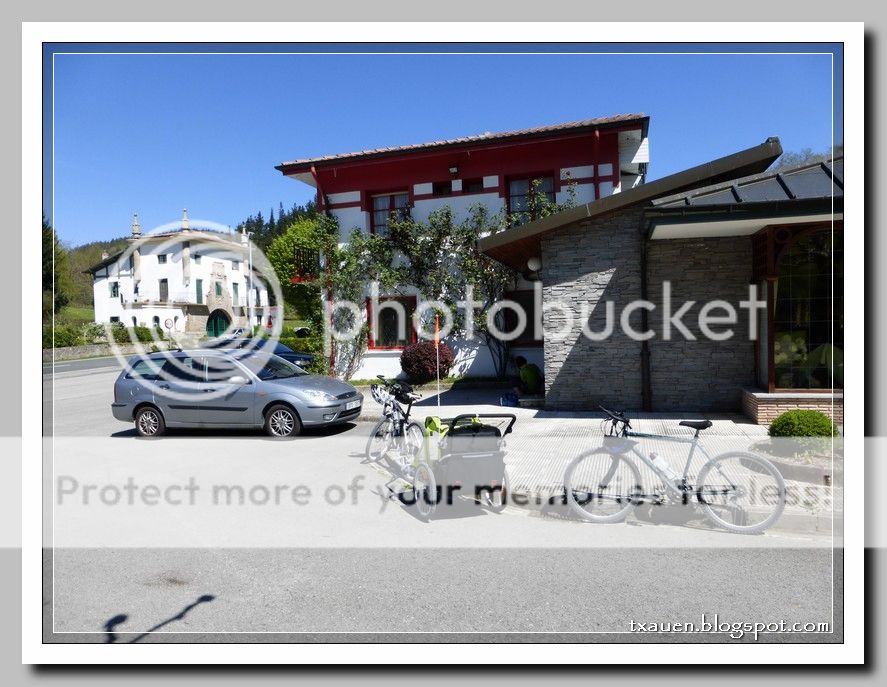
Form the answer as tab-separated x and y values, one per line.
156	133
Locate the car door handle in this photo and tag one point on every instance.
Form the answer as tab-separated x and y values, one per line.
206	391
163	386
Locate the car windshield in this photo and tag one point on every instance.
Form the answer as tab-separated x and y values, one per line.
271	367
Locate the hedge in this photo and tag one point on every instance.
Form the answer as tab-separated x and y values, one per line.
803	423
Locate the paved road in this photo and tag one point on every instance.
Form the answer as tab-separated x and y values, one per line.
326	593
104	363
354	569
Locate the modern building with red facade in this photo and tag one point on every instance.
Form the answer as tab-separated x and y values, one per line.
580	161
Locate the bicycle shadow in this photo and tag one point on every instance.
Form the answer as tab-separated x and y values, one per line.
643	515
458	508
111	636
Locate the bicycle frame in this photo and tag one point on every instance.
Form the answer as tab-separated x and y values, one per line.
694	444
393	410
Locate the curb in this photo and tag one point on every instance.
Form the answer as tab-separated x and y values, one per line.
794	522
811	474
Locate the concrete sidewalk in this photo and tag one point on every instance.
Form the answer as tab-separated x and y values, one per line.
544	442
457	401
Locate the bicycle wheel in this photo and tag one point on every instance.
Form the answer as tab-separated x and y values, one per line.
414	438
424	490
602	487
378	440
405	448
741	492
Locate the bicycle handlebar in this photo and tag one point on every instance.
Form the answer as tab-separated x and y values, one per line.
615	416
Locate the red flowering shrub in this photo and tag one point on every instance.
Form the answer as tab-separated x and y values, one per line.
420	360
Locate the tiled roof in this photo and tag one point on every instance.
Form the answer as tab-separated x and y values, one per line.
823	178
486	137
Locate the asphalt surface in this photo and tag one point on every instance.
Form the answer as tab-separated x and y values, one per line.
469	576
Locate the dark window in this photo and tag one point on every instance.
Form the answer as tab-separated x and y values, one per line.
236	288
397	204
196	258
808	317
217	369
161	259
271	367
200	291
115	289
146	369
473	186
164	290
393	331
522	200
442	188
527	303
114	318
218	288
235	265
156	321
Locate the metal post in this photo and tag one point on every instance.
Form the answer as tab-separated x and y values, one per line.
249	299
245	239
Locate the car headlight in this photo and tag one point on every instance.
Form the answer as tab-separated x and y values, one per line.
318	395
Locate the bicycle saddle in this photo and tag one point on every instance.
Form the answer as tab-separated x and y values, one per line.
696	424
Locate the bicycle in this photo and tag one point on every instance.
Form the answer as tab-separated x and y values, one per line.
732	488
395	440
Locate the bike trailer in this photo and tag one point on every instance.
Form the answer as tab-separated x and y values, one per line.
471	452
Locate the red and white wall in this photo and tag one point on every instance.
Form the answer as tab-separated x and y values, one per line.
595	163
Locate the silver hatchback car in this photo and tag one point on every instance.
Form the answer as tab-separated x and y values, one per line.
211	388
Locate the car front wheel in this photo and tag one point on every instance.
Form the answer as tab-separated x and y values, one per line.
282	422
149	422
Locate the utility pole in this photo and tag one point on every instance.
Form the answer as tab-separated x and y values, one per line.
245	240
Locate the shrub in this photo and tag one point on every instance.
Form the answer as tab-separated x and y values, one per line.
312	345
93	332
65	335
802	423
419	361
118	331
145	335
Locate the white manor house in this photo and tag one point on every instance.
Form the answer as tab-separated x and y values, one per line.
191	282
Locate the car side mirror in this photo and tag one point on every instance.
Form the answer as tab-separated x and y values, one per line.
238	379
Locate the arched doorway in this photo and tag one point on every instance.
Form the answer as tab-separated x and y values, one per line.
217	323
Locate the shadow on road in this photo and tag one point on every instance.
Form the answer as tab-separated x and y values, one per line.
111	636
672	514
308	433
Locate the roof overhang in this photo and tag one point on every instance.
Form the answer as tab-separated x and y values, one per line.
515	246
741	219
297	169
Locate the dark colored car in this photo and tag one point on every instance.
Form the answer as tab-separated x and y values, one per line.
277	349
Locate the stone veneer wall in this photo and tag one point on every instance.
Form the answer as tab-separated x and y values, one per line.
700	375
592	263
600	261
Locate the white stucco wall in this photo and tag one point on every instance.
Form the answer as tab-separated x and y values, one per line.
472	359
350	219
461	205
180	290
